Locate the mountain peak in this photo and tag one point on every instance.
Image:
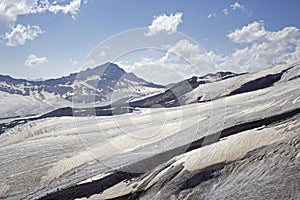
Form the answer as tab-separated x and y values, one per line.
108	70
109	67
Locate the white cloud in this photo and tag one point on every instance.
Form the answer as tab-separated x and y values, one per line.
225	11
250	33
20	33
164	24
32	60
211	15
261	48
72	8
189	51
157	71
237	6
10	10
180	61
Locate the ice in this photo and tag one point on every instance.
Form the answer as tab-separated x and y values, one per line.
43	155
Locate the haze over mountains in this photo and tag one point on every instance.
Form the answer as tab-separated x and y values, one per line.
220	136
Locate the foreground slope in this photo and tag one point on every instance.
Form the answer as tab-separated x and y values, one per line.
243	145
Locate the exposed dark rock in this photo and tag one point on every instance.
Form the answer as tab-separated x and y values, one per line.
260	83
88	189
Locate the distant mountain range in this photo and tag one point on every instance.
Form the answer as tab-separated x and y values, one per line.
92	85
194	90
103	85
109	90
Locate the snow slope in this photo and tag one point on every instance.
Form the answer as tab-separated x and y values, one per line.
226	87
160	152
14	105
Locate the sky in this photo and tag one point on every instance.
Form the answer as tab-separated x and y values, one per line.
159	40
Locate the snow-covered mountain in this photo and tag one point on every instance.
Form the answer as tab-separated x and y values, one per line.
100	85
91	85
103	85
173	95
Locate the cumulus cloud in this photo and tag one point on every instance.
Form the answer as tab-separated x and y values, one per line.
180	61
189	51
211	15
32	60
20	34
10	10
261	48
164	24
72	8
252	32
237	6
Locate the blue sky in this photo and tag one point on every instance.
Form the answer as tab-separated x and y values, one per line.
54	38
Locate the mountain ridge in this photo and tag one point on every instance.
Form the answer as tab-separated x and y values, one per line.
97	82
